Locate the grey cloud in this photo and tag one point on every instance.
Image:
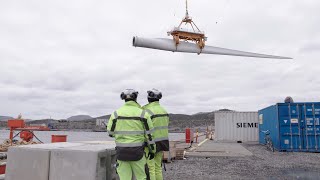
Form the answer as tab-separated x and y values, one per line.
61	58
311	48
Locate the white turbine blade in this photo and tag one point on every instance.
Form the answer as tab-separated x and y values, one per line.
230	52
169	45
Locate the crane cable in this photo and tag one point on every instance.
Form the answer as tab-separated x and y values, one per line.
187	13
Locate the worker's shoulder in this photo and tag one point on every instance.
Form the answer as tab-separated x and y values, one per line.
159	106
162	108
147	106
127	109
158	109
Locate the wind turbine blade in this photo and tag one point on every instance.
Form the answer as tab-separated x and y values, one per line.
230	52
169	45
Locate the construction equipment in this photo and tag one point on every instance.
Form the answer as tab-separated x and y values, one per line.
192	41
14	124
25	132
178	33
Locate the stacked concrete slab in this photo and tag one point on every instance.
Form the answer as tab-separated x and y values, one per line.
62	161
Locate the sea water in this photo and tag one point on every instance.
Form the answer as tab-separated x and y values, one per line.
73	136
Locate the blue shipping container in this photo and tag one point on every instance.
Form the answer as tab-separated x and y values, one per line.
292	126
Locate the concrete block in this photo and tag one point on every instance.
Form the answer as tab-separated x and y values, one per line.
52	146
27	163
87	162
62	161
69	165
111	170
111	157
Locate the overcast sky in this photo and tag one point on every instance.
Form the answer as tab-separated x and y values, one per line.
62	58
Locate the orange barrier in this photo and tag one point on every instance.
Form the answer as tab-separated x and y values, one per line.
58	138
189	135
3	168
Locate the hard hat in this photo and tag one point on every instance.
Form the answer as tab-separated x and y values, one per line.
129	94
154	94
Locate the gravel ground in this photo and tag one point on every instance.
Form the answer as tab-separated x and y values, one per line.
263	164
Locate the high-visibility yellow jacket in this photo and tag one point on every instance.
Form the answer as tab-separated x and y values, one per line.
160	119
132	129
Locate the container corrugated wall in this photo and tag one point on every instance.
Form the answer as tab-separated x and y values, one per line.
292	126
236	126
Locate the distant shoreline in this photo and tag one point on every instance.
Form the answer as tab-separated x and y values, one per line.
90	130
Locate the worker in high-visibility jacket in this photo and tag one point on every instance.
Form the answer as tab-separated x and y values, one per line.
160	119
132	129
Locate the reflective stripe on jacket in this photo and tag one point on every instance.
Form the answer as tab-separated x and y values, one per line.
132	128
160	119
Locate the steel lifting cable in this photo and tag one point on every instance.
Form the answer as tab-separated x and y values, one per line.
37	138
314	126
16	135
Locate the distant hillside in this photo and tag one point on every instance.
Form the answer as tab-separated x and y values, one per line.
201	119
103	117
94	119
79	118
178	122
5	118
42	121
181	121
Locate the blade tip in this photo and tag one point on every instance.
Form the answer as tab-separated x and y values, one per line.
287	58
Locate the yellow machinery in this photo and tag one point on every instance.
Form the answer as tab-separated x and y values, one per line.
178	33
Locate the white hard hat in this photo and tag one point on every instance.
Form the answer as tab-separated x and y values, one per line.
154	94
129	94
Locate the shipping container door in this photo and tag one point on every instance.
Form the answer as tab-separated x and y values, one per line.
311	115
290	127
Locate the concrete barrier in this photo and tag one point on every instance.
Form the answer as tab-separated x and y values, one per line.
27	163
62	161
